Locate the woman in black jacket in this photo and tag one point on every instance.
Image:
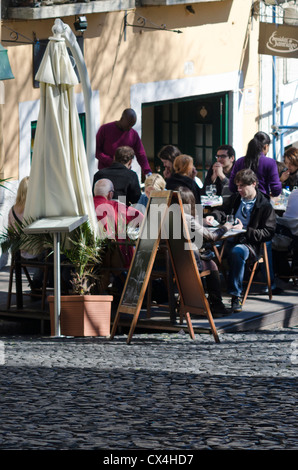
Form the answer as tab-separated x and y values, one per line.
182	176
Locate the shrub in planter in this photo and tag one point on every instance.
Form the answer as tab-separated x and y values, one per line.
84	313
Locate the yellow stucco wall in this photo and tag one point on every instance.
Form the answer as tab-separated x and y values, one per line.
212	39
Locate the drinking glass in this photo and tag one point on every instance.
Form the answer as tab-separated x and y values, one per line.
230	218
208	191
213	190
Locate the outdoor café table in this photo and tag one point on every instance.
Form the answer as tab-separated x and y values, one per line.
56	226
209	203
219	251
279	205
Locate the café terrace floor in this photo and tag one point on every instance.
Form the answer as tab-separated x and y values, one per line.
259	313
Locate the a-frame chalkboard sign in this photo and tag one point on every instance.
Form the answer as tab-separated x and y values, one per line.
163	212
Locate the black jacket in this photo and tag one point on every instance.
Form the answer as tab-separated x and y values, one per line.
177	180
262	224
222	186
125	181
292	181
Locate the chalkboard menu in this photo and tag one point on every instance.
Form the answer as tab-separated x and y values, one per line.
146	249
159	224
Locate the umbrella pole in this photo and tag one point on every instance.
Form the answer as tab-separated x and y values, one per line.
57	299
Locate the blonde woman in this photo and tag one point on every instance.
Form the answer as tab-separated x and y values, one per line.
15	219
16	213
183	176
154	182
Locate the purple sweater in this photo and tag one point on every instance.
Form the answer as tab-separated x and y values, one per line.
110	137
267	173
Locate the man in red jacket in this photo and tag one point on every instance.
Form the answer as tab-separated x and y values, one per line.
115	218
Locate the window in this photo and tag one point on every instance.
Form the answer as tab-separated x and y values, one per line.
290	70
82	118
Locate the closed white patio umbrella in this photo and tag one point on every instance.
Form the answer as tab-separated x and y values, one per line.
59	183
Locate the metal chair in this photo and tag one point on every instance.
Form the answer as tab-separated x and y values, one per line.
292	260
263	258
19	265
162	269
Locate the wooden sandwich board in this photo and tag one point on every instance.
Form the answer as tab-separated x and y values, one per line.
162	210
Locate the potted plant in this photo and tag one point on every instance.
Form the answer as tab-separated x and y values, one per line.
85	311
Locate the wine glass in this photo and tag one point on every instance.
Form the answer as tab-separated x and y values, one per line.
213	190
208	191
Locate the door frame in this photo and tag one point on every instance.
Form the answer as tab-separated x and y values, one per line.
169	90
180	123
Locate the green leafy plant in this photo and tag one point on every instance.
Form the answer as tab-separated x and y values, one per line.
85	253
3	181
14	238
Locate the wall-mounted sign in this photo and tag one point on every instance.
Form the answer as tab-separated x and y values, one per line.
277	39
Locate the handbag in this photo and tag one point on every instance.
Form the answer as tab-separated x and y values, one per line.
282	238
281	242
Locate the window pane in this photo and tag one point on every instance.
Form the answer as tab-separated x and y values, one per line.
208	157
198	156
175	134
209	134
199	134
165	132
166	112
175	112
290	70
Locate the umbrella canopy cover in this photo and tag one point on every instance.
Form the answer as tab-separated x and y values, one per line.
59	183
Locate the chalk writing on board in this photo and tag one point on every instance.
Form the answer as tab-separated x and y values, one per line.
137	277
141	260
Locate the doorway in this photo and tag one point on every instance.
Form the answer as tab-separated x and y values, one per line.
196	125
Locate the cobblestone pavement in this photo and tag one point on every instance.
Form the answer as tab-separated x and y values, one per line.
163	391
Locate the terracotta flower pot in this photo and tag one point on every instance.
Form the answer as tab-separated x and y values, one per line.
83	315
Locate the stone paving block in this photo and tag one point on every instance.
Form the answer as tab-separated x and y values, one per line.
163	391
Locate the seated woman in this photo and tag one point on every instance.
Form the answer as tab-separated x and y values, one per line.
167	155
153	182
183	176
286	239
212	280
289	178
16	213
15	220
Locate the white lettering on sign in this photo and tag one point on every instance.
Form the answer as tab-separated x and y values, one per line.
282	44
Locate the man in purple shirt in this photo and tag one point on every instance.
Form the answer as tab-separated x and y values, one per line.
120	133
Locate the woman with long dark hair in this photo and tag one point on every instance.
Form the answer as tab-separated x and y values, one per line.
167	155
264	139
265	168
